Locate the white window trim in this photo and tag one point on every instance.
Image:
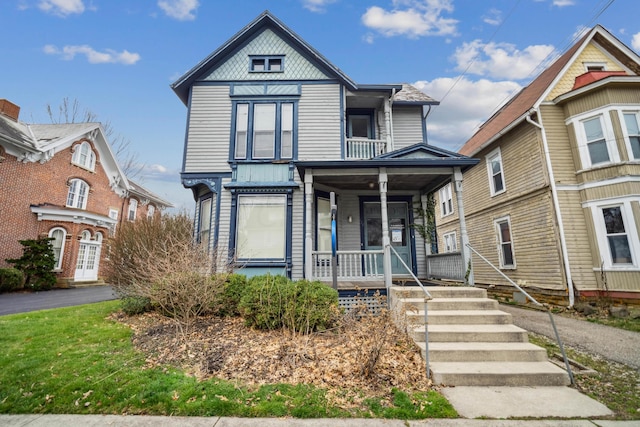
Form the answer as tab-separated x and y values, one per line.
489	157
452	237
609	136
76	194
151	210
58	265
496	227
133	207
625	132
602	65
445	194
90	163
630	228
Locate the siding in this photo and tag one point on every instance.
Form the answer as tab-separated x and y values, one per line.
209	130
297	237
563	150
224	224
319	133
407	126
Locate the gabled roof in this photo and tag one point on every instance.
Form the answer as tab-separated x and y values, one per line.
519	107
143	193
421	150
264	20
411	95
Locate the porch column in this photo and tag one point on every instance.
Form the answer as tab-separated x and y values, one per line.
387	124
464	236
423	205
308	239
386	257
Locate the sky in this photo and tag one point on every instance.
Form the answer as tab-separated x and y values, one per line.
117	58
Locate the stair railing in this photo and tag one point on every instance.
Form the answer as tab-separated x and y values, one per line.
427	297
544	306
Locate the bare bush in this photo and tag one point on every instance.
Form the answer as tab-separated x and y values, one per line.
156	259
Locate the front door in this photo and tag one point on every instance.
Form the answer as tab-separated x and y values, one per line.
88	261
399	233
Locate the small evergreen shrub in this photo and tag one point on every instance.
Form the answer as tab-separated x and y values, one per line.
229	299
274	302
36	263
10	279
132	305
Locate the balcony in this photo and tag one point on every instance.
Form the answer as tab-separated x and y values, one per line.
363	148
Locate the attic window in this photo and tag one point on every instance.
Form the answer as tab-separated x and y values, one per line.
266	64
595	66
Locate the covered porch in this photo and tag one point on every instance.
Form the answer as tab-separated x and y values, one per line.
378	203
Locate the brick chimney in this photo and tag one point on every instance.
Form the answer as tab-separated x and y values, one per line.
9	109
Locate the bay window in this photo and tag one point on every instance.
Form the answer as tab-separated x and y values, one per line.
616	234
632	135
263	130
261	227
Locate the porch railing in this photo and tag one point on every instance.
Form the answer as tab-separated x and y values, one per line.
448	265
362	148
352	265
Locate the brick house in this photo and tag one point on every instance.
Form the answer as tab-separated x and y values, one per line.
63	181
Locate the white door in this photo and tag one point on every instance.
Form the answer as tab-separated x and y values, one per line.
88	260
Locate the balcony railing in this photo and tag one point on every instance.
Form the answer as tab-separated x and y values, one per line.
448	265
362	148
352	265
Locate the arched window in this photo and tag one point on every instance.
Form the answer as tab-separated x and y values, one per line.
78	192
58	235
150	211
84	156
98	238
133	207
85	236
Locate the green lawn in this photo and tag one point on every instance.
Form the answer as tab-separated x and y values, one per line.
76	361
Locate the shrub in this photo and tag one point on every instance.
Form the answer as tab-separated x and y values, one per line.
133	305
273	302
229	299
10	279
36	263
157	259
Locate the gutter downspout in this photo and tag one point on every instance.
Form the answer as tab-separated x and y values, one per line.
556	203
393	144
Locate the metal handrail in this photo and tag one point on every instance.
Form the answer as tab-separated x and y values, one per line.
546	307
426	317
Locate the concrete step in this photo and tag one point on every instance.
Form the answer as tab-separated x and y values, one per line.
497	374
462	304
450	317
484	352
438	292
470	333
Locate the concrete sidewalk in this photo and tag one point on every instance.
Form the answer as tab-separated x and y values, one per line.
153	421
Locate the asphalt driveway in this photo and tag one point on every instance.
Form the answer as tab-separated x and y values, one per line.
32	301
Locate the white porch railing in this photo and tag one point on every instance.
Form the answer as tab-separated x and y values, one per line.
352	265
448	265
362	148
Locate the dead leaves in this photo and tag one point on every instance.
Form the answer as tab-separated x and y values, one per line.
362	358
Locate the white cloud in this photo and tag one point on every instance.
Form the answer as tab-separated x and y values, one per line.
563	3
493	17
317	5
464	109
62	7
93	56
182	10
412	18
501	60
635	42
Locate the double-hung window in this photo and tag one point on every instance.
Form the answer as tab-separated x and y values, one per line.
77	195
450	242
505	243
632	135
133	208
84	156
446	200
496	173
261	227
264	130
58	235
204	223
616	234
595	138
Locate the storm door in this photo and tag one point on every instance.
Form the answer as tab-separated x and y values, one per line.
399	233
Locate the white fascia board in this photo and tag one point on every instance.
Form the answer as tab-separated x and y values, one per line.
75	216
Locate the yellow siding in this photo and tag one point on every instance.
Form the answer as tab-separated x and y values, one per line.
591	53
563	154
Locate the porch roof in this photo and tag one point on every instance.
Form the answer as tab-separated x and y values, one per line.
404	174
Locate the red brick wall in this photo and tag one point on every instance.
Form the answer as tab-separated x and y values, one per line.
26	184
